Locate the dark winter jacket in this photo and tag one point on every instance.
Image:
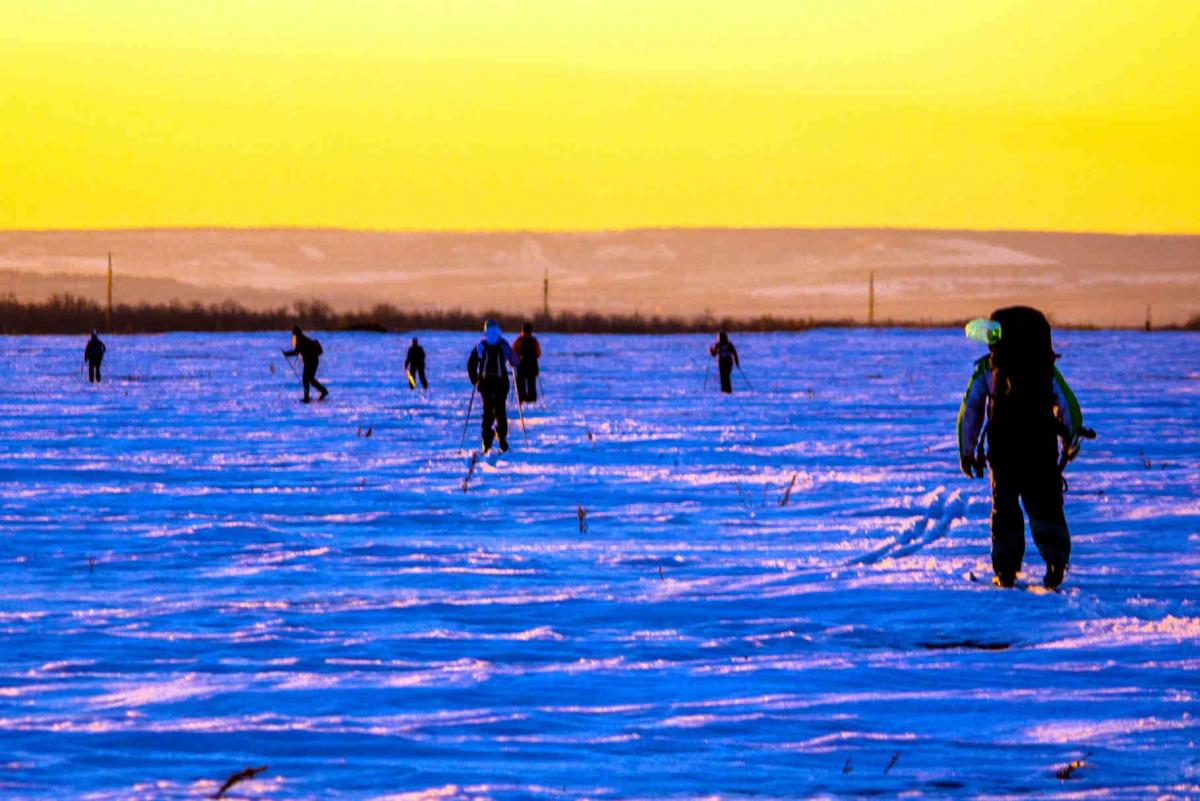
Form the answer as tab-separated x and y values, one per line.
528	351
1031	429
307	348
415	360
94	352
725	352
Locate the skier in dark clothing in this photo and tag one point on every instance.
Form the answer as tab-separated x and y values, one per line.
727	357
528	351
309	350
1019	398
93	354
414	365
487	368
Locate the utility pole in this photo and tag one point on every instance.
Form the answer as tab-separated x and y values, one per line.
108	294
1147	317
871	300
546	294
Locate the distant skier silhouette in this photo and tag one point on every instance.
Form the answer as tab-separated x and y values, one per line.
414	365
1018	397
309	350
487	367
93	354
727	357
528	351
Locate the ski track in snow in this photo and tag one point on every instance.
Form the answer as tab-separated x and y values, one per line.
269	587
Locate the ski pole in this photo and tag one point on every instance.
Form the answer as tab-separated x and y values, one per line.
744	378
467	422
521	412
292	365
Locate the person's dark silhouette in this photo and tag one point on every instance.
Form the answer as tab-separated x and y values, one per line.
414	365
309	350
1020	399
93	354
487	367
727	357
528	351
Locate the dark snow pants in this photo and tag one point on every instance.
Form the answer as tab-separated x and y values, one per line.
1040	488
527	383
725	366
418	375
310	379
494	392
93	372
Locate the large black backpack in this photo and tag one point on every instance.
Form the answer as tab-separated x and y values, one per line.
1021	406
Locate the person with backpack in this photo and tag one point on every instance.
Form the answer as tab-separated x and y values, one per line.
487	367
727	357
1018	403
528	351
309	350
414	365
93	354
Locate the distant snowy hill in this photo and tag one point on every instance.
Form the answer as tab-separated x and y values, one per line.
919	275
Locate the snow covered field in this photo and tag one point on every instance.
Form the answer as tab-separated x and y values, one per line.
199	574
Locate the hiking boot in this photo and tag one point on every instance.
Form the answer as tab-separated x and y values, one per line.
1005	579
1054	576
324	395
503	443
306	399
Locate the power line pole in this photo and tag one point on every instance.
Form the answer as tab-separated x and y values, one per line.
108	293
871	300
546	294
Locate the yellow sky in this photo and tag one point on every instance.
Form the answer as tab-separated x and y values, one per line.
584	114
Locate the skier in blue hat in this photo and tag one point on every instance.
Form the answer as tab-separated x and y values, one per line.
487	367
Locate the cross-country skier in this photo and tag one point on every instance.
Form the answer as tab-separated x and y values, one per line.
310	351
727	357
93	354
487	368
1022	401
414	365
528	351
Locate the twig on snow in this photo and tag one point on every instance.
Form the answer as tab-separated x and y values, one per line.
787	493
241	775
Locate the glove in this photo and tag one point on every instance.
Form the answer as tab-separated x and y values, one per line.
971	466
967	465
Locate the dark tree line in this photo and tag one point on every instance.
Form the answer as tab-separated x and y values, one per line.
67	314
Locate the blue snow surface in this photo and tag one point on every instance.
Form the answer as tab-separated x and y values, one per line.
200	574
